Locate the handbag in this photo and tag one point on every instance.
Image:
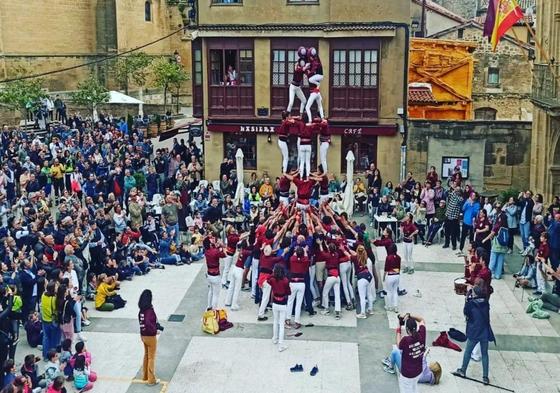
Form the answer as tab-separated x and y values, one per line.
210	322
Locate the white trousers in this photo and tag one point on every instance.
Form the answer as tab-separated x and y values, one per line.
408	385
214	285
254	276
323	150
279	313
332	283
346	278
296	91
266	289
391	287
541	280
314	289
304	160
298	289
235	281
284	200
285	155
227	266
408	261
365	290
316	79
312	98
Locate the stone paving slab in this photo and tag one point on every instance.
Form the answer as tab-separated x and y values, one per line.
248	313
520	371
442	308
168	286
236	365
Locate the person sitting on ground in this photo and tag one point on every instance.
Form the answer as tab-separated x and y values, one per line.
54	368
30	369
106	298
57	385
34	330
431	373
527	276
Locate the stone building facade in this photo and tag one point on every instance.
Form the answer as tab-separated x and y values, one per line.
545	153
260	38
64	33
502	79
498	151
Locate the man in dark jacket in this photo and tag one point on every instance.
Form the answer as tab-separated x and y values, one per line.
525	204
477	313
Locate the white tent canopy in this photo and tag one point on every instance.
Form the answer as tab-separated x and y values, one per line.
116	97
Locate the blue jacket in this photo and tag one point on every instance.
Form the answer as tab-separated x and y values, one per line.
470	212
477	313
554	234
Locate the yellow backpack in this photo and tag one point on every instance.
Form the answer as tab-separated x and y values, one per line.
210	322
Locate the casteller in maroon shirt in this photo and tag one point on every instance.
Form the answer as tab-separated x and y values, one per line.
304	189
213	256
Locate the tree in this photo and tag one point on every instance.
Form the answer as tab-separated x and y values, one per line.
168	74
90	94
23	94
132	69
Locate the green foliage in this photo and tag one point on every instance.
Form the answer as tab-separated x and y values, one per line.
132	68
90	93
22	94
168	74
506	194
140	178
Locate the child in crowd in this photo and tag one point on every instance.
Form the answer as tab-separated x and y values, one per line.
83	377
184	253
57	386
16	314
65	356
91	287
54	368
9	372
34	330
195	250
30	369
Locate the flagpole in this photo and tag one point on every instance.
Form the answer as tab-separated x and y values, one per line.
538	45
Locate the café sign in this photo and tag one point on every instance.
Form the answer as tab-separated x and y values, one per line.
257	129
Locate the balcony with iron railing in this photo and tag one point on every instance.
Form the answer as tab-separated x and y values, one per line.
546	86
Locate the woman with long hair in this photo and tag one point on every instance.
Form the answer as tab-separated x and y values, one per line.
280	293
149	329
65	308
366	286
391	276
413	346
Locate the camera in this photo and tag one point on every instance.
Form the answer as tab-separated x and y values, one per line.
401	320
159	327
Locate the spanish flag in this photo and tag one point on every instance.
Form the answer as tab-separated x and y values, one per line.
500	17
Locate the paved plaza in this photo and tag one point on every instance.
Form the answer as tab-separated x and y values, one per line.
348	351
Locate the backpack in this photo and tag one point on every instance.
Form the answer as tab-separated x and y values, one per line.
503	237
210	322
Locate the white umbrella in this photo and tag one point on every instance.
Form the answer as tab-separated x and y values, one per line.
240	191
348	201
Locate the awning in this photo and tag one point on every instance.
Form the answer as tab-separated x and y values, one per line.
116	97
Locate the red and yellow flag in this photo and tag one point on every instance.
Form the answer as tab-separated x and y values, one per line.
501	16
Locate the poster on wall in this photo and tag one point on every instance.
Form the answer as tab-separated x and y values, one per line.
448	164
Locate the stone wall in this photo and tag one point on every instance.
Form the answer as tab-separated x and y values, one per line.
67	33
499	151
